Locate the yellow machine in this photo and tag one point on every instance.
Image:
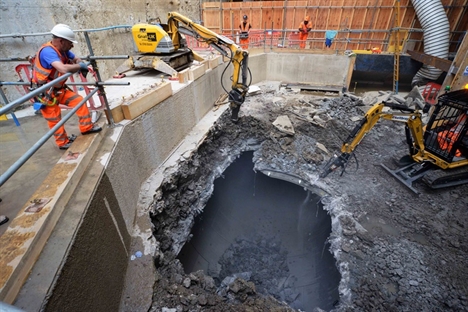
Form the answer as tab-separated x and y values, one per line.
438	152
157	50
163	47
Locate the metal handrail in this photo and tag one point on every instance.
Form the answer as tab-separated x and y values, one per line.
5	109
13	168
49	33
99	84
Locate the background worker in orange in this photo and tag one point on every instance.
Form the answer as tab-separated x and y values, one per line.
244	27
52	60
448	137
304	28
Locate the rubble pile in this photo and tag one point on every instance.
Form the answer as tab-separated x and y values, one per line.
396	251
262	262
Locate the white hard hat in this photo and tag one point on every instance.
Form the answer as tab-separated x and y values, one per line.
64	31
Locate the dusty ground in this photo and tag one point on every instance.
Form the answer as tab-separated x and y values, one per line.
396	251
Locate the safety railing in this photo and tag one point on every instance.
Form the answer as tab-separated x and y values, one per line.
98	84
289	38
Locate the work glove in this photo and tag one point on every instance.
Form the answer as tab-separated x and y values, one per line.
309	29
84	69
300	30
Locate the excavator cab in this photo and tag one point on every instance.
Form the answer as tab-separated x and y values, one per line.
446	132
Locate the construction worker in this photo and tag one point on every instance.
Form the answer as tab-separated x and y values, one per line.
244	27
448	137
52	60
304	28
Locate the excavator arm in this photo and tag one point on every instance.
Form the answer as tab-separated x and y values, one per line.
238	56
373	115
438	151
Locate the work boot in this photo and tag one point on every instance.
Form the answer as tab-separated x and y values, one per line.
94	129
71	138
3	219
66	146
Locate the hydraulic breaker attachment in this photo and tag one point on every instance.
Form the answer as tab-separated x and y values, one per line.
334	163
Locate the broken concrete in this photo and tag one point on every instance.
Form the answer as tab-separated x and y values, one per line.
395	251
282	123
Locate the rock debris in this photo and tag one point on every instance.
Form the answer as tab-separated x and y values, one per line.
396	251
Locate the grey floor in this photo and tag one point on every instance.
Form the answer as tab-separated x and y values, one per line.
16	141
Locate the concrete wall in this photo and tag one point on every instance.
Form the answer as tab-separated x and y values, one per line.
91	278
316	69
149	139
258	67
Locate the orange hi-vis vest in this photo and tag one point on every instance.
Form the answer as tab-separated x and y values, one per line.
42	75
244	30
446	138
244	27
304	27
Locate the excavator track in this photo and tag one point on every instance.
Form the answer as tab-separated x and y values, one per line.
179	60
166	63
437	179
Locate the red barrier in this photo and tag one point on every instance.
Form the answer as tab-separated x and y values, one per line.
430	92
24	73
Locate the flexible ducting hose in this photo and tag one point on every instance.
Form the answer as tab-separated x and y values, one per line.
436	28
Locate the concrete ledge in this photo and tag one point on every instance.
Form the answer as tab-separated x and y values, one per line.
214	62
43	280
135	108
184	75
24	240
117	113
197	72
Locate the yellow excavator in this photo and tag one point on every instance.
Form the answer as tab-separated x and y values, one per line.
163	47
438	151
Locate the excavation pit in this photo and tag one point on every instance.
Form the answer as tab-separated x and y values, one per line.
268	231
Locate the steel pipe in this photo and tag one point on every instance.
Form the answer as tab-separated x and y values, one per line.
87	58
436	28
103	96
10	171
110	57
33	93
15	59
89	83
48	33
5	101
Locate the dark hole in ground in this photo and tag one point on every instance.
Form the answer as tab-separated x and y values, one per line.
269	231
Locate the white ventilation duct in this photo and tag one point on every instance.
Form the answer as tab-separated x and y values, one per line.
436	28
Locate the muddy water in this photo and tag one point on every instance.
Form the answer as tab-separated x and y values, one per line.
269	231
